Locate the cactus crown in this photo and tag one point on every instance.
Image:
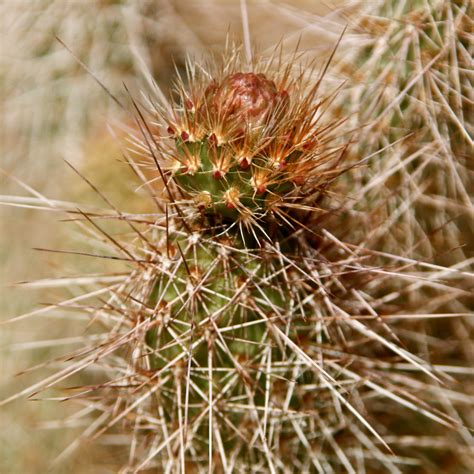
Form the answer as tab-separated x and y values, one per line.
247	143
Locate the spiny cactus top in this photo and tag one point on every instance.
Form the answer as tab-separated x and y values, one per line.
245	145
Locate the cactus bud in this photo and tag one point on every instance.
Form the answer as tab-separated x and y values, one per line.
245	131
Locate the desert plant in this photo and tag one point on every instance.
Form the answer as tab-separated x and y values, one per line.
410	88
255	323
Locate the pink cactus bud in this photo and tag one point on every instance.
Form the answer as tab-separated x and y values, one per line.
246	96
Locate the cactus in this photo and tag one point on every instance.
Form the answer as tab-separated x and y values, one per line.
256	324
411	89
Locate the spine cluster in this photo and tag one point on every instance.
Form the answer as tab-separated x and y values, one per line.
245	145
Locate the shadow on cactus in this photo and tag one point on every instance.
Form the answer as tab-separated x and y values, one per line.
250	329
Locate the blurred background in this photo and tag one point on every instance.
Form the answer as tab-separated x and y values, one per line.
52	111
